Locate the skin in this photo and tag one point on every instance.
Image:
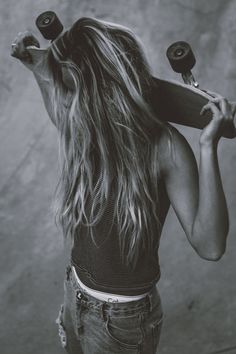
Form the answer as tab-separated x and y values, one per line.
196	194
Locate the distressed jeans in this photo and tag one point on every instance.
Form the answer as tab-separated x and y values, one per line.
91	326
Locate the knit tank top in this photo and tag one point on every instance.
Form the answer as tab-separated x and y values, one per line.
99	265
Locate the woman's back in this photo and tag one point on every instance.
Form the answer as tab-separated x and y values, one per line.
97	258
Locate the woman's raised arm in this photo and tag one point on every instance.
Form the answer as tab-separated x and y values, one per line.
198	196
26	48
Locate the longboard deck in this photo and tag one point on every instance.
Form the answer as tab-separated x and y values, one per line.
181	104
172	101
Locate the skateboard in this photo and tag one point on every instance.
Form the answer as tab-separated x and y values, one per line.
173	101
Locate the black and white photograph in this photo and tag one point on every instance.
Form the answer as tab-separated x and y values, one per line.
117	177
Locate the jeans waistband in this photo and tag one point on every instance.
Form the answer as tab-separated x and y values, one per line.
105	296
151	300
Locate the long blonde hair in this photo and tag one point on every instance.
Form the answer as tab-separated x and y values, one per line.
108	127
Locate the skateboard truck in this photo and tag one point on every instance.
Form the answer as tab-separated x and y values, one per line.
49	25
182	60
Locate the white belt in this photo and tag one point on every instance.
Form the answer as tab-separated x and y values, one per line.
100	295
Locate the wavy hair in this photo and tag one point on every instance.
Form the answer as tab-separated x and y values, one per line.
108	133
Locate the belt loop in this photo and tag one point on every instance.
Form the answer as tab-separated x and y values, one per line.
68	270
150	301
103	311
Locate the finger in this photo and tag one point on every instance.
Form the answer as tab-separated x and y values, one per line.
18	37
19	51
224	106
25	38
20	54
206	107
30	40
227	108
234	131
21	48
14	50
233	109
213	108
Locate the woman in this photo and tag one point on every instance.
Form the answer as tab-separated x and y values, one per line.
122	167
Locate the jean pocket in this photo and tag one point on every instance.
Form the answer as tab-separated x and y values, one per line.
124	331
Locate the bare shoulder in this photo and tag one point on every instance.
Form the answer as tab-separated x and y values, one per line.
175	152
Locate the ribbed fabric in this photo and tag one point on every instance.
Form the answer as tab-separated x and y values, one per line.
99	266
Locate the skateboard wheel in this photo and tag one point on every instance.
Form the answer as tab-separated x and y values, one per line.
181	57
49	25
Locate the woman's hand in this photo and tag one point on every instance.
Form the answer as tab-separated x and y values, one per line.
26	48
223	113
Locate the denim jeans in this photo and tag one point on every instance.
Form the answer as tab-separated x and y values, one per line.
91	326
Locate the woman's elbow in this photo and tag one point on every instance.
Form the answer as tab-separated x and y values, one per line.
213	257
211	254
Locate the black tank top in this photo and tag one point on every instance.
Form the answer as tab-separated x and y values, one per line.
100	267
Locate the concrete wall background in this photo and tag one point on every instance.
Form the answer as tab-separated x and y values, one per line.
199	297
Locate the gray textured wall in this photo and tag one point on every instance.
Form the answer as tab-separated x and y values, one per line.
199	297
